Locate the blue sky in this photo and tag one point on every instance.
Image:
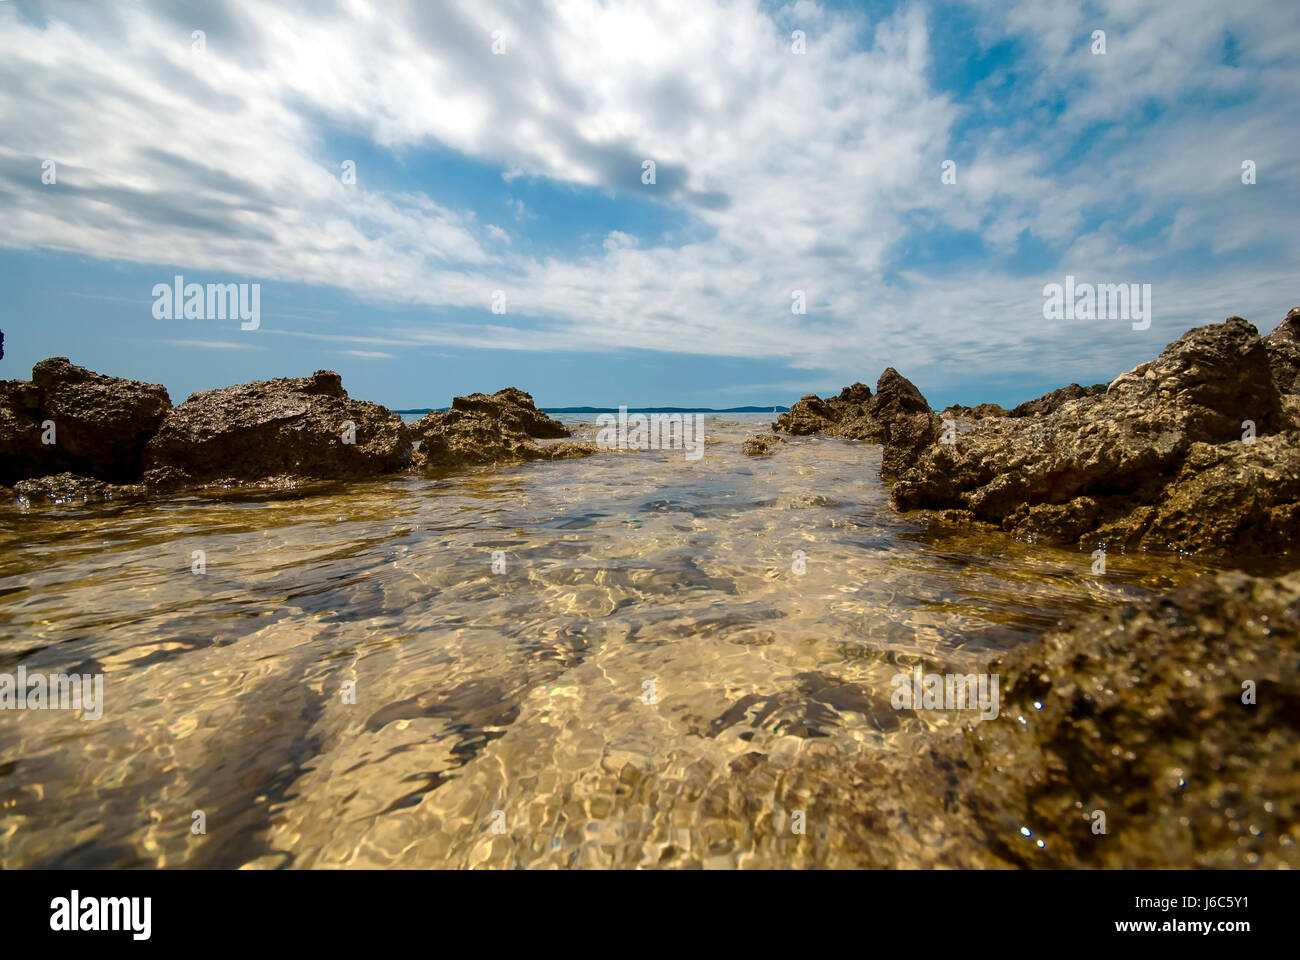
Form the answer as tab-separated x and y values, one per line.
520	172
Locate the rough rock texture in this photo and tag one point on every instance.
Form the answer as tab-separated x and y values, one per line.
283	428
1142	718
1050	402
760	444
1283	346
1136	713
1159	461
972	413
482	429
65	488
855	414
101	424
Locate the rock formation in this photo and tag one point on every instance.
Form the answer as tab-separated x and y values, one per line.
1195	450
98	426
483	429
300	428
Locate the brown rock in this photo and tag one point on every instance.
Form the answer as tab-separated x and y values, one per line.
293	428
1125	462
483	429
855	414
1050	402
760	444
1283	346
100	424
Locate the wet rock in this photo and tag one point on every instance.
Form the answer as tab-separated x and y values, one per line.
100	424
480	429
65	488
1136	714
1050	402
760	444
856	414
1139	714
304	427
1136	464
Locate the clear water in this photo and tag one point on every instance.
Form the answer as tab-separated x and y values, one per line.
585	707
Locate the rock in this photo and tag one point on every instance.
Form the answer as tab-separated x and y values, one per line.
483	429
1127	699
284	428
64	488
909	436
100	424
855	414
810	414
1283	346
1050	402
961	412
760	444
1128	464
1136	713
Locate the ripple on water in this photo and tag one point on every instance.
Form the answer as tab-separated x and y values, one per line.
639	686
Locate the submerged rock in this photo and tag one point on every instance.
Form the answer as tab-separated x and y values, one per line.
1122	741
1139	714
99	425
1194	450
304	427
760	444
480	429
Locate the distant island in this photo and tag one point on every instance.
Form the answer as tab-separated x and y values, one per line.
775	408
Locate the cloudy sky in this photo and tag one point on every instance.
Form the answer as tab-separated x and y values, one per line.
222	157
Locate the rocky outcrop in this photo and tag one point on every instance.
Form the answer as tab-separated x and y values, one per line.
1165	459
760	444
979	412
503	427
1050	402
98	425
289	428
856	414
1283	346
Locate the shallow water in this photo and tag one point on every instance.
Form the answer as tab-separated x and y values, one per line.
591	701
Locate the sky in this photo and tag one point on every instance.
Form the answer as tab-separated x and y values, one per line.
389	173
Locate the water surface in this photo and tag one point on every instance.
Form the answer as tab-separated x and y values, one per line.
649	633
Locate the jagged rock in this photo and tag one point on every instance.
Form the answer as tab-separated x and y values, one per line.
760	444
482	429
1136	463
1283	346
960	411
855	414
282	428
1050	402
909	436
100	424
